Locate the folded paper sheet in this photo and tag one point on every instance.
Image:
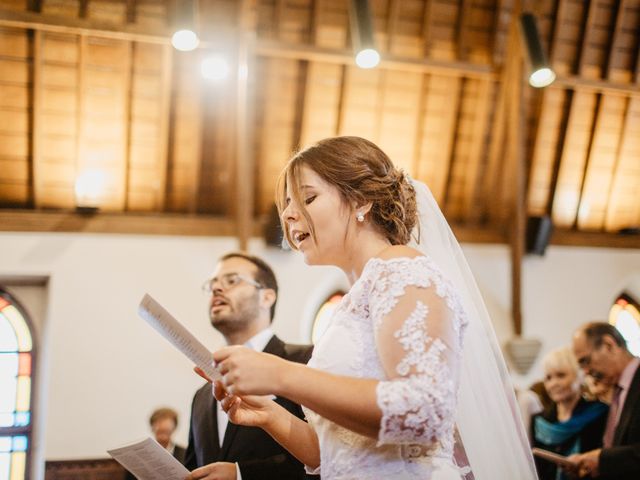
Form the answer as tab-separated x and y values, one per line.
181	338
148	460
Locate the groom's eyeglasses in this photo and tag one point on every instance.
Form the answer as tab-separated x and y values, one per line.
227	282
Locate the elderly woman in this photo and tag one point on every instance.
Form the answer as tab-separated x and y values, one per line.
572	424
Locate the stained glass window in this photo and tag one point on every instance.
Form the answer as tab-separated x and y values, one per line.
325	312
625	316
16	374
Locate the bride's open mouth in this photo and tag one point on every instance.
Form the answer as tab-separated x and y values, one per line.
299	237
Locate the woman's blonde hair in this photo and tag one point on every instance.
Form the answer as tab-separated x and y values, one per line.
561	359
362	173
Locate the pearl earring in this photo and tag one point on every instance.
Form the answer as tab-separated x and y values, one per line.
360	217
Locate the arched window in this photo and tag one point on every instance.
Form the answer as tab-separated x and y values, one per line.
625	316
325	312
16	380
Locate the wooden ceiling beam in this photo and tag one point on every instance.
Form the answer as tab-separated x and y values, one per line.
267	48
81	26
582	84
574	238
69	221
13	220
516	164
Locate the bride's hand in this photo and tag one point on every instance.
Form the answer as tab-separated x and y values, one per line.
200	372
246	372
249	410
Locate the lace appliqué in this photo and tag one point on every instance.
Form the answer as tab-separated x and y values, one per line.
393	276
418	408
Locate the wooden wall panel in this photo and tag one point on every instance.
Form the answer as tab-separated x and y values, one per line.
602	160
442	30
625	43
550	125
573	160
322	102
568	33
406	37
148	119
331	26
108	11
17	5
361	103
186	136
62	8
398	117
623	209
324	82
480	31
276	124
56	119
152	13
218	162
293	18
470	136
439	111
103	115
15	118
595	48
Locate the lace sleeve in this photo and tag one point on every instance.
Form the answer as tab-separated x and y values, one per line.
417	322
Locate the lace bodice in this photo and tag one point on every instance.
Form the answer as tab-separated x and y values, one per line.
401	323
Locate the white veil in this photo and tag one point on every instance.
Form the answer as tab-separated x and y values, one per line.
488	420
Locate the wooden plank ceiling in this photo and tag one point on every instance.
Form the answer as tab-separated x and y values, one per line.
91	85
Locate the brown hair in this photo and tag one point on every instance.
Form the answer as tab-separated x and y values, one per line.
362	173
163	413
264	274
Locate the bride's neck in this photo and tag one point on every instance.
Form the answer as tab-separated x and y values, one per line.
359	251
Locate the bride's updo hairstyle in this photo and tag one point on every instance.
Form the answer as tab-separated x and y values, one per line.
362	173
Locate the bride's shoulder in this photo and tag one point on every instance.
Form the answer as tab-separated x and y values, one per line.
399	251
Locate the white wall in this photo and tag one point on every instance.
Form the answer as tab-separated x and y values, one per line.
105	370
560	291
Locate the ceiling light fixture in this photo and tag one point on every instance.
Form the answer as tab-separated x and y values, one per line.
540	74
362	34
185	37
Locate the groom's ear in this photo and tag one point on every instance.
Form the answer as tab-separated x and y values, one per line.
268	297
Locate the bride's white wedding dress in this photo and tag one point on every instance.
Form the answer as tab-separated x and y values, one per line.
401	323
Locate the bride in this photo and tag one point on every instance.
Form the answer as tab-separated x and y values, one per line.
407	382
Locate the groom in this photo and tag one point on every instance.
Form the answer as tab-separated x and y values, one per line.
243	293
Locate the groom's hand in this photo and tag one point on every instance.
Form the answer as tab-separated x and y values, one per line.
214	471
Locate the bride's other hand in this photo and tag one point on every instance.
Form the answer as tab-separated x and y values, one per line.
250	410
246	372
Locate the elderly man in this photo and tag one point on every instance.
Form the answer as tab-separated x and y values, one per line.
243	293
602	353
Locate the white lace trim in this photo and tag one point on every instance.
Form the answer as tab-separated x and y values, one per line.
419	407
391	277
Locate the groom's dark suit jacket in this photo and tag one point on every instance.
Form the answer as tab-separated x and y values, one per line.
258	455
621	461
